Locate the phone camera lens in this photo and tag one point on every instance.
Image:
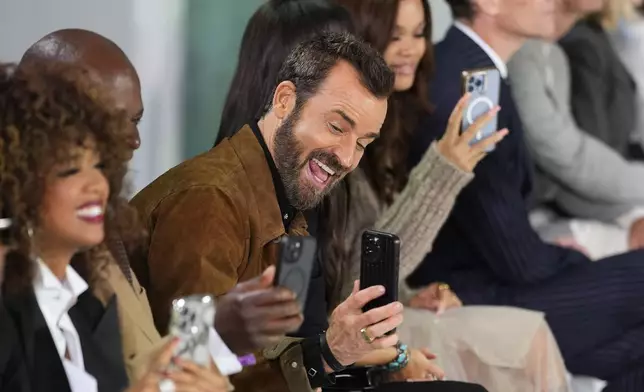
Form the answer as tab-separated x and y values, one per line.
373	250
293	251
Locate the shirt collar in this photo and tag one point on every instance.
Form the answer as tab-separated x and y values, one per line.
286	208
496	59
45	279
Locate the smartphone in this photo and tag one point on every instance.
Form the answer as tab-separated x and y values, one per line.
484	86
190	320
379	264
295	264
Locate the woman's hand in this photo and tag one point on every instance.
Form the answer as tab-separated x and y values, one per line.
194	378
155	372
455	146
189	377
437	297
419	368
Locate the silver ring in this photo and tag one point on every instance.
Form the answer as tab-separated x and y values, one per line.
167	385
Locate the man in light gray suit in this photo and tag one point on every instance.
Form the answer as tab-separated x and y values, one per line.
583	177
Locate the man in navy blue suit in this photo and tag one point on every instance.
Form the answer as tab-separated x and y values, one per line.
487	250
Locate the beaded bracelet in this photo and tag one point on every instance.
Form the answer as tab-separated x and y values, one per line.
401	360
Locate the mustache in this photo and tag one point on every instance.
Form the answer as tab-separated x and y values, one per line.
331	160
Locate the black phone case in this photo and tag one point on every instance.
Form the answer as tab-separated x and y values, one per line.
295	264
379	266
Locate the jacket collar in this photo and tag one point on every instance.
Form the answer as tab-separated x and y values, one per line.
252	158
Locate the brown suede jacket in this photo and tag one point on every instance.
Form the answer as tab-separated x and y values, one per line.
214	221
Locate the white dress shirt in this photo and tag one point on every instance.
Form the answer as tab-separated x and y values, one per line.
55	298
496	59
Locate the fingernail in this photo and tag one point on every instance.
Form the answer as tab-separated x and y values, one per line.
398	306
381	289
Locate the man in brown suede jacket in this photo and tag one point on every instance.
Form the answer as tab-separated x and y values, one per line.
214	220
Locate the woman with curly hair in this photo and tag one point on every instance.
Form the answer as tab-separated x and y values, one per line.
64	158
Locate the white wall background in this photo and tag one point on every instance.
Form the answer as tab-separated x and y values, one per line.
441	18
151	34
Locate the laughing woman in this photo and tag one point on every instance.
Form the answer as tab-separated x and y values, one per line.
63	163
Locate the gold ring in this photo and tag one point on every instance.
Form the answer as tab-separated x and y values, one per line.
365	336
443	287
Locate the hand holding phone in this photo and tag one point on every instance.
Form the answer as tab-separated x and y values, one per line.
255	314
457	146
482	87
379	266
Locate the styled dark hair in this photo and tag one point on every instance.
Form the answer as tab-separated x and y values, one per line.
310	62
385	161
45	111
272	32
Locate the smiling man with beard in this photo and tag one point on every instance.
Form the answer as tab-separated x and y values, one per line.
214	220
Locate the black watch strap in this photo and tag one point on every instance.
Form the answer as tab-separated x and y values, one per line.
313	364
328	356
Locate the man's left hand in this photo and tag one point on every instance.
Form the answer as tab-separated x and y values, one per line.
437	297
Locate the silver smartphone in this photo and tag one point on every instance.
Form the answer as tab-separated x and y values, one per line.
484	86
190	320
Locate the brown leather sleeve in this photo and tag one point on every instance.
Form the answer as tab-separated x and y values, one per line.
198	239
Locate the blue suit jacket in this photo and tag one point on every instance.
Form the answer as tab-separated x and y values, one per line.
487	245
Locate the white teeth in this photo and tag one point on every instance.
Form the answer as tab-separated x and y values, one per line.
324	167
405	69
90	212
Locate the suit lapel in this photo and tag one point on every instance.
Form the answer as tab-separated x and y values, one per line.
24	310
99	332
133	301
44	367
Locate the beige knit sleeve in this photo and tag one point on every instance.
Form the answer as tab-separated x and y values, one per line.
420	210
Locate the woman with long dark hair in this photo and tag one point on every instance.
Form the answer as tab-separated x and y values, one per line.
271	33
500	348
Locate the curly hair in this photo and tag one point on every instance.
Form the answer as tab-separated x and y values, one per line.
45	111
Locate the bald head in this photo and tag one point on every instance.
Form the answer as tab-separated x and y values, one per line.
105	61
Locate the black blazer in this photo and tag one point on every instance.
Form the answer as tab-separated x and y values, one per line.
34	364
487	244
